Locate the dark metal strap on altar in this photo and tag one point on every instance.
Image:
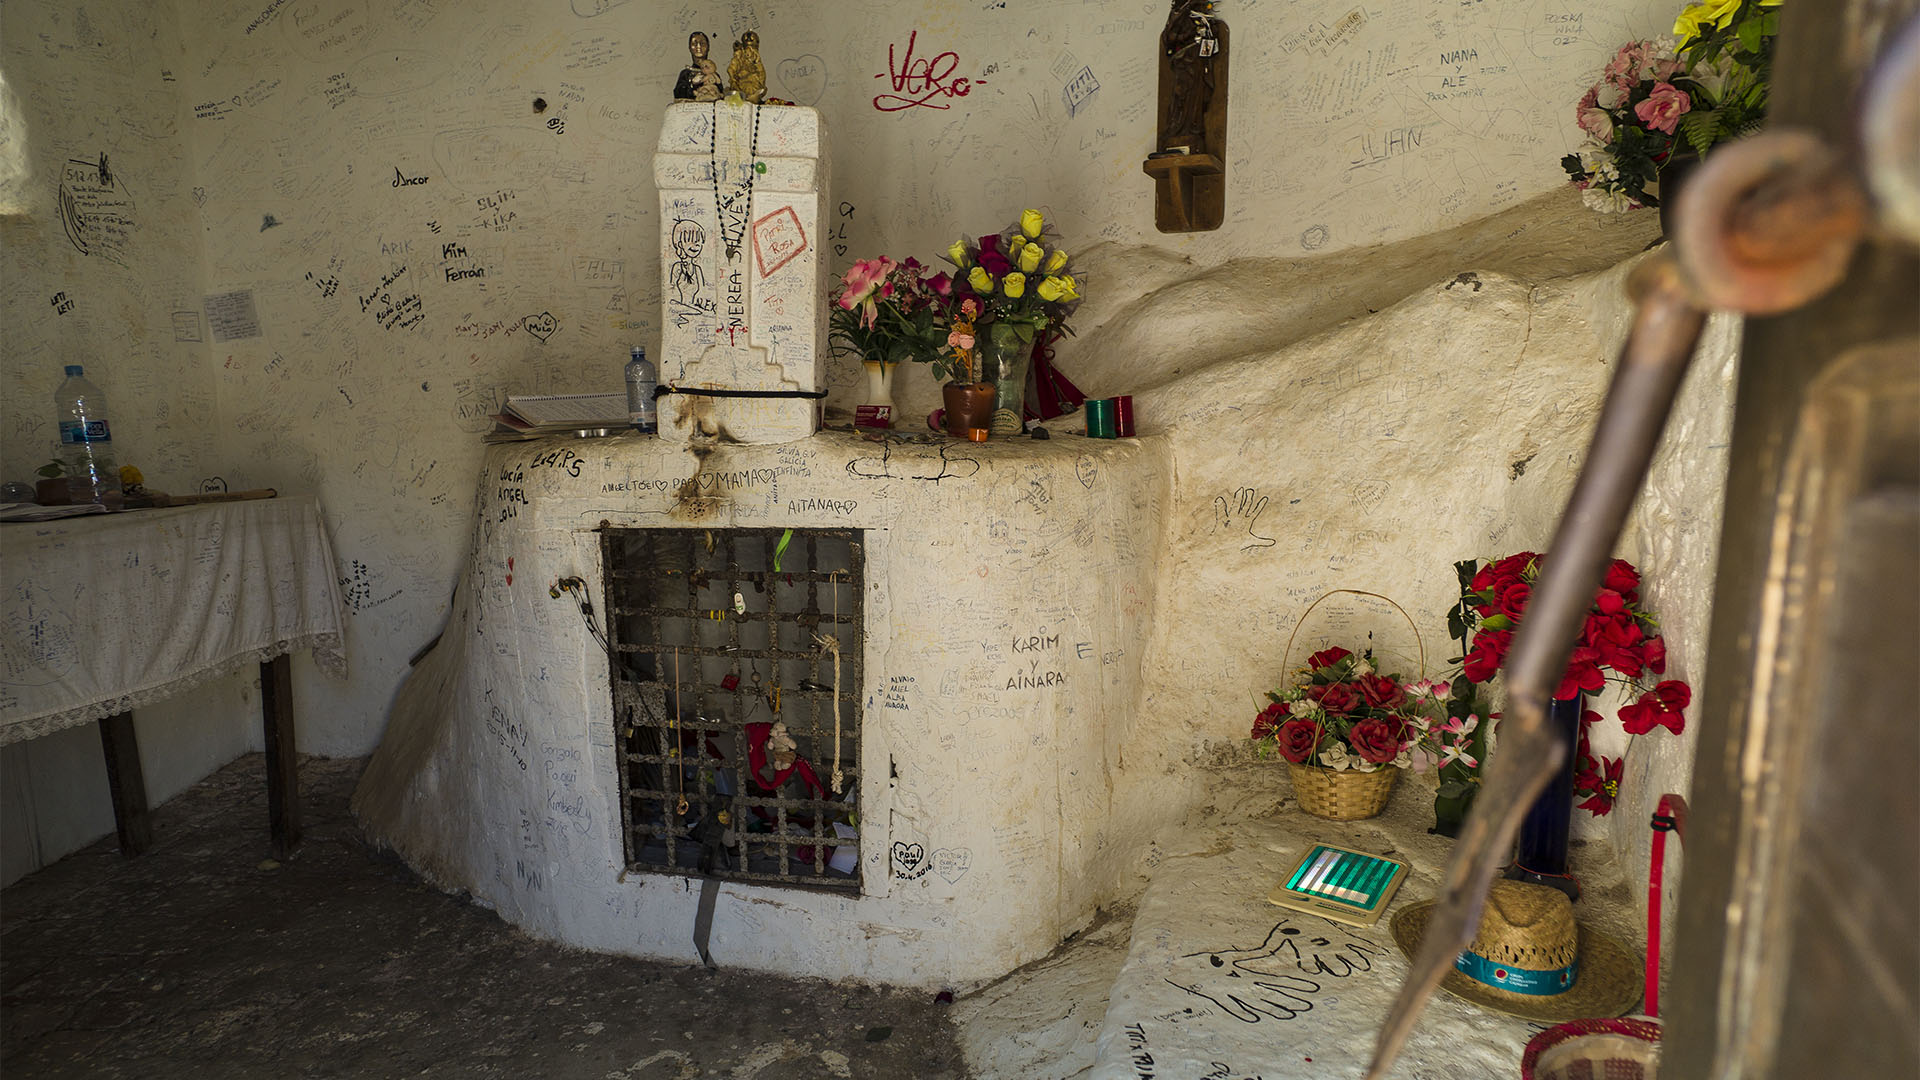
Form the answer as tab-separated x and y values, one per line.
663	390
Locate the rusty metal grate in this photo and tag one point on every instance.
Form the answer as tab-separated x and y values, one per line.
713	636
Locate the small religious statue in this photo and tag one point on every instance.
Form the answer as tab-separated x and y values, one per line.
1189	160
781	747
745	72
1190	44
700	80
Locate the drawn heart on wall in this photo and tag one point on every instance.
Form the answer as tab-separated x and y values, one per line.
542	325
952	863
1086	470
910	859
804	78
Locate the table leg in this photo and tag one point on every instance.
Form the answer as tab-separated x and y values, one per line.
126	784
283	776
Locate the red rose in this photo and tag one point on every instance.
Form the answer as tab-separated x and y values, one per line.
1583	674
1609	602
1655	652
1622	578
1327	658
1616	641
1338	698
1516	567
1298	739
1488	653
1376	741
1512	599
1380	691
1483	578
1269	719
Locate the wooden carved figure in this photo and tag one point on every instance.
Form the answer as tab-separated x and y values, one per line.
1189	45
1189	159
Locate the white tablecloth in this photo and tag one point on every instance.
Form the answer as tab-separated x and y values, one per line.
105	613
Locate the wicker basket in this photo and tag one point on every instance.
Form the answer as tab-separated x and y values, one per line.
1342	794
1345	794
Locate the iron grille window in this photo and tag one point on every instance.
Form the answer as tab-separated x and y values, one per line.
719	635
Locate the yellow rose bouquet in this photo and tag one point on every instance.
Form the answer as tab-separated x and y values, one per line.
1026	290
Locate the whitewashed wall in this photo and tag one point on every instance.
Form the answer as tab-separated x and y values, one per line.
415	240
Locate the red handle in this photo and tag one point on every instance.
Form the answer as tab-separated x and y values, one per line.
1670	816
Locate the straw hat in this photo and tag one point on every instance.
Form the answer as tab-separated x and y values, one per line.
1529	958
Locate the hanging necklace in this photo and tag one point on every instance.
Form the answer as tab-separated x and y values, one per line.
730	213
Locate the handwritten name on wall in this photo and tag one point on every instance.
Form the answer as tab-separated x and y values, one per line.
919	82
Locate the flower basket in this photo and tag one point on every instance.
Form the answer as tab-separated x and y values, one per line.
1342	795
1351	729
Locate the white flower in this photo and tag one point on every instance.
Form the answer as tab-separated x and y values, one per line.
1609	96
1335	756
1403	759
1362	667
1713	77
1608	200
1458	752
1305	709
1597	161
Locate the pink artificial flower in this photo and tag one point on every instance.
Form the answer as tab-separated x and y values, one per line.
1664	107
863	279
941	284
958	340
1596	121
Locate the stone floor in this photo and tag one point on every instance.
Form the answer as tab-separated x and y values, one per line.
202	959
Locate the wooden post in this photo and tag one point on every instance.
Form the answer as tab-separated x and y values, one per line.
283	765
126	784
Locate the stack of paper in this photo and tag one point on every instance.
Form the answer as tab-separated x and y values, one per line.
538	416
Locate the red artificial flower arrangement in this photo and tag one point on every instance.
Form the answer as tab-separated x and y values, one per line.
1343	714
1620	636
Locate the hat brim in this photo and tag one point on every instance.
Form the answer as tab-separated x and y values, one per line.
1608	985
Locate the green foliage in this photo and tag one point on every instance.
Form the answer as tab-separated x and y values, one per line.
52	469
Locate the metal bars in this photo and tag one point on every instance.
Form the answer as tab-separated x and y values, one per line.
724	700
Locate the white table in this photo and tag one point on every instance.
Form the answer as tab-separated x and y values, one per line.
103	613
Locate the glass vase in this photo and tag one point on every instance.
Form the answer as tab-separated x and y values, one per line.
1005	354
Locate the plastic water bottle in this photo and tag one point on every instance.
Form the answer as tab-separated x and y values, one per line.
86	442
641	381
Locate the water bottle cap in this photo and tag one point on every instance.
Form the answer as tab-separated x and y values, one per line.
640	351
74	369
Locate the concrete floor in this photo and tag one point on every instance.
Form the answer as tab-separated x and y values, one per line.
202	959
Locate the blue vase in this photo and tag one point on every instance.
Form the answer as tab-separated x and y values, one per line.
1540	855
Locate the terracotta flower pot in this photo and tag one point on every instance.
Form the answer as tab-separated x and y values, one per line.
969	405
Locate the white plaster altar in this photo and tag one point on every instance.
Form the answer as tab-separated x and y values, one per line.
1009	587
